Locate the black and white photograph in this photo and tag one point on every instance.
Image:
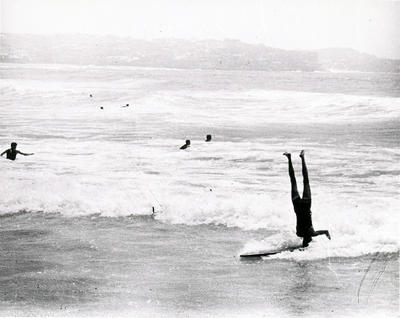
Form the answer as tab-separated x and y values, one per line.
187	158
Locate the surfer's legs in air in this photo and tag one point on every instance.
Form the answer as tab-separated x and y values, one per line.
306	182
295	192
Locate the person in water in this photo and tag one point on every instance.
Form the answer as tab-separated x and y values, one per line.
302	206
12	152
208	138
186	145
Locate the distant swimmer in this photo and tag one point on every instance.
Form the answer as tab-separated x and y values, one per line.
186	145
127	105
302	206
91	95
208	138
12	152
101	107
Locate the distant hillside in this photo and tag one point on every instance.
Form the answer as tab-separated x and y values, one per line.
210	54
351	60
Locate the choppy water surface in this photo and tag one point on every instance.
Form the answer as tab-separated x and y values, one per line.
72	213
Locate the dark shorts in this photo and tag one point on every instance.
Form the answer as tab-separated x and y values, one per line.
302	208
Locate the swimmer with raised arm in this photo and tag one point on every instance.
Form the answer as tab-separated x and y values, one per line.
302	206
12	152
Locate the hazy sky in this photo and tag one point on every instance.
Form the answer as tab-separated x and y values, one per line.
371	26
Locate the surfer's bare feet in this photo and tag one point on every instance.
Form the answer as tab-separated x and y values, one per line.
301	154
287	154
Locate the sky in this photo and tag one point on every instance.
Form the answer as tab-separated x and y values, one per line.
370	26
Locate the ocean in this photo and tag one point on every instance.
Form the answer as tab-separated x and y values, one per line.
78	235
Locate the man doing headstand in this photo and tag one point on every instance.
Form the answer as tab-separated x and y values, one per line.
302	206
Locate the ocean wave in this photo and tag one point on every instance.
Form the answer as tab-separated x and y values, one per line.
359	224
118	161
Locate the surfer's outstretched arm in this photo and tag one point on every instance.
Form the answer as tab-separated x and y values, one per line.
24	154
295	192
308	238
3	152
322	232
306	181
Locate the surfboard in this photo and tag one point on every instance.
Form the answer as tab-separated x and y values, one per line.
274	252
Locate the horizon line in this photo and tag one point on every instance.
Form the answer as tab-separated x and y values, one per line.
193	40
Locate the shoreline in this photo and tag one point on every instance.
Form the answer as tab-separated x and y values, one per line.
58	266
